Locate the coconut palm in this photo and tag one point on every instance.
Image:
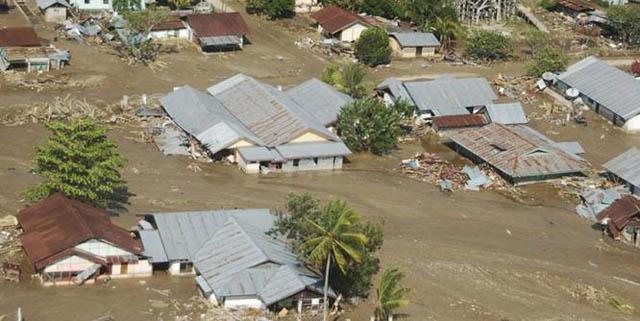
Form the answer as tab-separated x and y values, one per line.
389	295
447	30
335	240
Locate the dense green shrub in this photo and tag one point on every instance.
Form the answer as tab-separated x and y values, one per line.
547	59
489	45
372	48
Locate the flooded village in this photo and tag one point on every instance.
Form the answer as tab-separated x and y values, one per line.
319	160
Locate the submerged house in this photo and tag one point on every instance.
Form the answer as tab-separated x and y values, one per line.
235	263
413	44
626	168
261	127
21	48
218	31
518	153
440	97
69	242
337	23
606	89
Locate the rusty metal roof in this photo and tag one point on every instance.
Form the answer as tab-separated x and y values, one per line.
218	24
575	5
459	121
334	19
19	37
173	24
58	224
619	214
517	151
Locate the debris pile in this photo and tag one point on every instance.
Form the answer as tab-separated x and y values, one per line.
521	88
431	168
9	248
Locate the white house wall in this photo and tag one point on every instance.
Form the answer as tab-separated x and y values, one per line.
633	124
352	33
101	249
238	302
70	264
140	269
171	34
174	269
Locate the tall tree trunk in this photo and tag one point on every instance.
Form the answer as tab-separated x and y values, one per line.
325	316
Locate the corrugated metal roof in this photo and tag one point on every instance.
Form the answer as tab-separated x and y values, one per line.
309	150
204	117
184	233
570	147
171	24
269	113
44	4
447	94
19	37
575	5
507	114
517	151
609	86
153	247
259	153
396	89
334	19
319	99
218	24
459	121
415	39
220	41
626	166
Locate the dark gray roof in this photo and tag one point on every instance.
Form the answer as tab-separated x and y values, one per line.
396	89
44	4
153	247
570	147
266	111
204	117
626	166
609	86
183	233
445	95
319	99
507	114
415	39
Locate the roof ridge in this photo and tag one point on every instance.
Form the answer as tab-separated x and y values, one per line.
81	220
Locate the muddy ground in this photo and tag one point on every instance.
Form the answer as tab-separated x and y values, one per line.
468	256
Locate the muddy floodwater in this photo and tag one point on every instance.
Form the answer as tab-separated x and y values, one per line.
467	255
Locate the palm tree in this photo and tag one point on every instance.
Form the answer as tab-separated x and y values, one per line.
447	30
389	295
336	240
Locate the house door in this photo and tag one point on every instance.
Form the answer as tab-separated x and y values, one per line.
418	51
124	268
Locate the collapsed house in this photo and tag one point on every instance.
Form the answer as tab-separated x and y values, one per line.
625	168
69	242
621	220
413	44
518	153
21	48
54	10
606	89
235	263
261	127
215	32
443	96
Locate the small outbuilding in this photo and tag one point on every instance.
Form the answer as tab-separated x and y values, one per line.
626	169
215	32
54	10
413	44
172	29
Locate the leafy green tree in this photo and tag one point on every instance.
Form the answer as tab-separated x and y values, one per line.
352	5
422	11
489	45
273	9
180	4
293	224
372	47
143	21
137	44
390	295
126	5
348	78
626	22
547	59
336	239
389	9
446	29
368	125
79	161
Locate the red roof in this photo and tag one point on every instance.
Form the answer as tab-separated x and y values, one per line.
459	121
218	24
620	213
334	19
575	5
57	224
19	37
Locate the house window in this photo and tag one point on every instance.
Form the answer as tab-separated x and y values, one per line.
105	2
87	1
315	160
296	162
186	267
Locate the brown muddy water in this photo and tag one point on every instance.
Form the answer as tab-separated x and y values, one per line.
467	255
